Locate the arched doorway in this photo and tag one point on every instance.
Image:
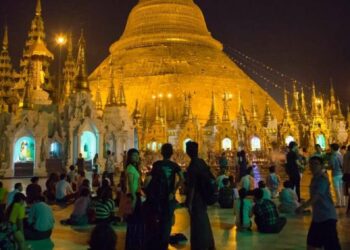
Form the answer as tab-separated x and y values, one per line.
226	144
255	143
289	139
88	145
184	144
55	150
24	156
321	140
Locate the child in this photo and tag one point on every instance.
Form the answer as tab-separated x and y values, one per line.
266	191
273	181
243	211
226	195
288	199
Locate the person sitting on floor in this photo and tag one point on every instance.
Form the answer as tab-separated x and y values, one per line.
103	237
79	216
247	181
40	220
33	190
266	191
72	175
50	184
64	191
243	211
267	218
18	189
104	207
15	215
226	194
273	181
288	199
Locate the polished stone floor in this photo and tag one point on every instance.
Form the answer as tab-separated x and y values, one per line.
292	237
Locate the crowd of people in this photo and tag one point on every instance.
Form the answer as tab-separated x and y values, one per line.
147	203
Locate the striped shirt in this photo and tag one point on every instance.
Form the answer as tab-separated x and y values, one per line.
104	209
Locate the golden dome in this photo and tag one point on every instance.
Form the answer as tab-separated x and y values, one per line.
167	48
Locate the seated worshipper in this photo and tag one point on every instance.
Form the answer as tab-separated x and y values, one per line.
103	237
266	191
79	217
3	196
18	189
288	199
33	190
64	191
15	214
247	181
243	210
106	184
72	175
50	184
84	185
40	221
104	207
267	218
80	178
226	195
273	181
220	178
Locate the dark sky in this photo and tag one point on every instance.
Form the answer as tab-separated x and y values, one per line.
305	39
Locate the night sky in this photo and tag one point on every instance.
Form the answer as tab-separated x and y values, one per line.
305	39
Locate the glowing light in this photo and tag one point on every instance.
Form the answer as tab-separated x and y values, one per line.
88	145
255	143
61	39
24	149
226	144
289	139
170	95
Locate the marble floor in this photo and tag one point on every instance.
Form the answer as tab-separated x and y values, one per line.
292	237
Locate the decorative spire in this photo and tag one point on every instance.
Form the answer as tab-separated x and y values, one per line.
111	99
69	68
295	105
286	106
333	102
226	98
254	108
121	100
303	109
213	116
242	118
268	117
5	41
27	104
314	106
340	113
136	114
38	8
81	81
98	99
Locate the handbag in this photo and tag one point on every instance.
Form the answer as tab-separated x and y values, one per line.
125	205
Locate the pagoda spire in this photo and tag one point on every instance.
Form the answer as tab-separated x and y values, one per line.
268	117
339	112
254	108
5	41
121	100
27	103
136	114
81	81
314	106
98	99
6	70
38	8
69	68
286	106
213	115
111	98
242	118
303	109
295	105
226	116
333	101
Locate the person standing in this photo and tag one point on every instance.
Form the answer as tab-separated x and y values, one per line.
292	167
135	225
80	163
162	184
335	163
110	168
242	164
201	232
323	229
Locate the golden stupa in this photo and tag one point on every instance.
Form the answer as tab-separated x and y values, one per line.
167	50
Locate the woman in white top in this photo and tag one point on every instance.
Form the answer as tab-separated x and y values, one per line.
243	211
135	226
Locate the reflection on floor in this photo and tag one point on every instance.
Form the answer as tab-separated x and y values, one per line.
292	237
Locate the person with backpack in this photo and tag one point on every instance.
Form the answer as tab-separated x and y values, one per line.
161	186
200	193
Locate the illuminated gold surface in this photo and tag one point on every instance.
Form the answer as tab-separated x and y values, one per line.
166	47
